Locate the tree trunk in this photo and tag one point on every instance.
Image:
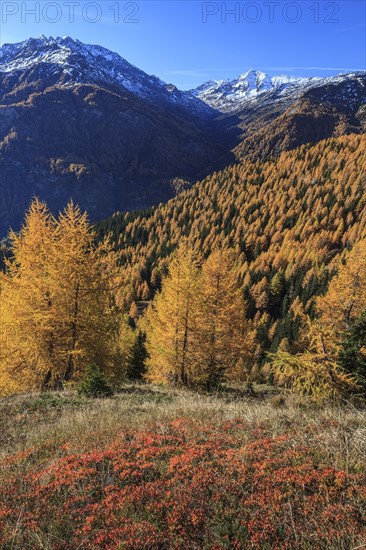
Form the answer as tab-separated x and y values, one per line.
183	374
46	380
71	365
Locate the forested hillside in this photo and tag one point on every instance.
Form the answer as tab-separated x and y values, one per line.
288	219
258	258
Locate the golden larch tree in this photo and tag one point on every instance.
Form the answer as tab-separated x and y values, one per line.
27	310
224	338
57	305
345	299
171	322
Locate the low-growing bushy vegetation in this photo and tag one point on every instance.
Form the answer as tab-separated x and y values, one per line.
170	468
94	383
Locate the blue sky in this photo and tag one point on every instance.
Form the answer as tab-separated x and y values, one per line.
190	41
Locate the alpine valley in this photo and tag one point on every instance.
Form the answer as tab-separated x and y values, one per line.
182	296
78	121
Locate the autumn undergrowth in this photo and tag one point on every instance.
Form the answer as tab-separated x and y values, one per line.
158	468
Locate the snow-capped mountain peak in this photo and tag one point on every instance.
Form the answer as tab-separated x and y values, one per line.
226	95
67	62
65	52
64	61
253	85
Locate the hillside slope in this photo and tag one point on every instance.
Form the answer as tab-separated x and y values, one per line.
287	219
282	122
173	469
282	112
79	121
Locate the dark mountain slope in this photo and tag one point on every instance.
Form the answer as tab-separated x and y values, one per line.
110	138
105	150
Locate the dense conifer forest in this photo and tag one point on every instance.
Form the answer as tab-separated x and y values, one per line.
288	220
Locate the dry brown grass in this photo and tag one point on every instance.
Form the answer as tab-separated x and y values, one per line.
32	421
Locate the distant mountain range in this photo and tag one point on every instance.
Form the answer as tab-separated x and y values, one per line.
298	111
80	121
234	95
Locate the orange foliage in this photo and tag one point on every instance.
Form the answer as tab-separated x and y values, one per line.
295	214
189	487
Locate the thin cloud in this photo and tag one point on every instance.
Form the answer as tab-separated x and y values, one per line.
186	72
312	69
223	74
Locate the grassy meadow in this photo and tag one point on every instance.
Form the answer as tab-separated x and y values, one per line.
168	468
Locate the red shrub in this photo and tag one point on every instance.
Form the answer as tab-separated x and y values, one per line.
188	488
